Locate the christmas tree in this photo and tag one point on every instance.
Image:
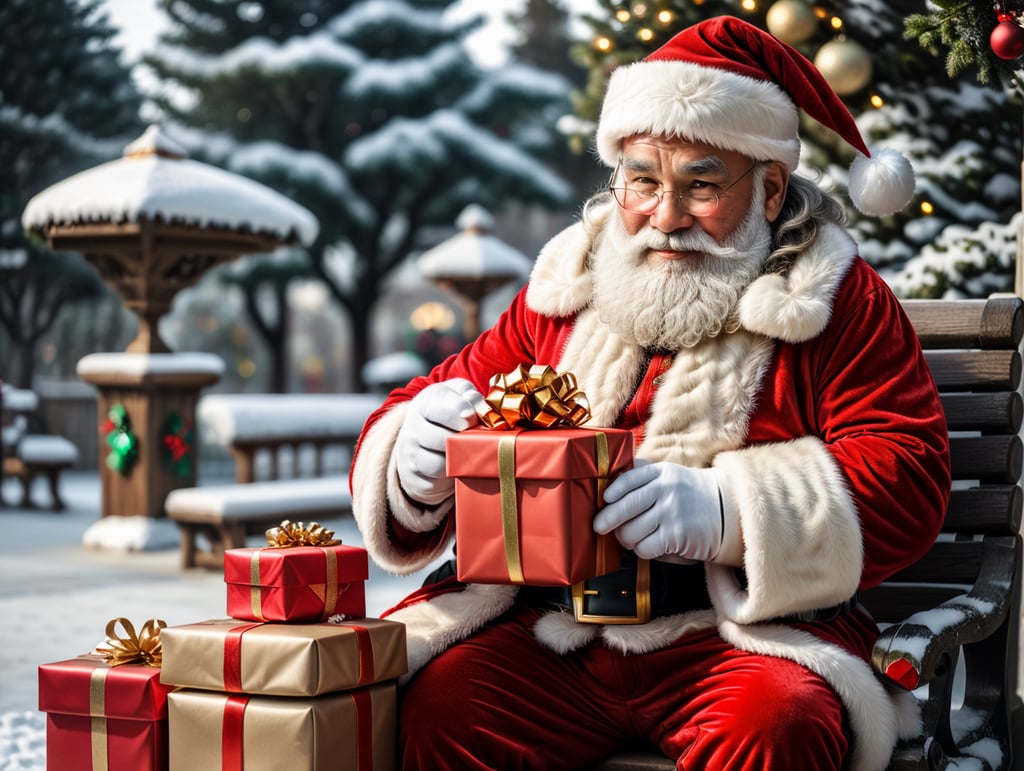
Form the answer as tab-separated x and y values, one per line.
371	114
66	102
953	128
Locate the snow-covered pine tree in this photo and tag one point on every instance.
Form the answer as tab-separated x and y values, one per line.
543	39
371	114
961	136
66	102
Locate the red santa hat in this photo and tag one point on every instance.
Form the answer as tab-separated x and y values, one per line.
728	84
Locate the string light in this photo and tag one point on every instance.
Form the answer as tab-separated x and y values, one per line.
603	44
622	15
645	34
640	9
665	17
927	208
877	102
836	22
749	5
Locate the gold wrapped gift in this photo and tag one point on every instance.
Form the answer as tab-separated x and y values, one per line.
350	731
283	659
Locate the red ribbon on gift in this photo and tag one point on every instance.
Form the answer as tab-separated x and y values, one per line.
364	729
365	645
232	753
233	657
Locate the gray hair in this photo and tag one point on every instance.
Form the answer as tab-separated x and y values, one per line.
805	209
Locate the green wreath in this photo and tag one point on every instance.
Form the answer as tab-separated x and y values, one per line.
122	441
177	445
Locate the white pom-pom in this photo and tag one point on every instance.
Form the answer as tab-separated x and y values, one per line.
882	184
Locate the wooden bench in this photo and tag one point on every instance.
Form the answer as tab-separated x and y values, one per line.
40	455
26	456
267	435
959	607
226	515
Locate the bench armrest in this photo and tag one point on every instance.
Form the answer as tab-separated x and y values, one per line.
914	652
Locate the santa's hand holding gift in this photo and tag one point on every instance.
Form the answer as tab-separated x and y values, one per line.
790	450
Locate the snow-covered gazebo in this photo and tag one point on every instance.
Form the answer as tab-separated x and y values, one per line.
474	263
152	223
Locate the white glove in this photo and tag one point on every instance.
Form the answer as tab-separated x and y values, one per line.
664	508
435	413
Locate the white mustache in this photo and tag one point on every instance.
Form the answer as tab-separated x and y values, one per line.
698	241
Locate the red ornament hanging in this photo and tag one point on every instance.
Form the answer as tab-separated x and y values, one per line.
1007	39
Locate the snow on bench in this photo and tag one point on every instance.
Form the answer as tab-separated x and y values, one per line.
251	425
27	456
225	515
40	455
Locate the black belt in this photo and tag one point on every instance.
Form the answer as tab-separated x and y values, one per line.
642	590
629	595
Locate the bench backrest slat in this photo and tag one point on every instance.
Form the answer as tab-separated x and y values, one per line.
999	412
973	350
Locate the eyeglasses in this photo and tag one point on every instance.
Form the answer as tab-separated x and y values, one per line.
702	202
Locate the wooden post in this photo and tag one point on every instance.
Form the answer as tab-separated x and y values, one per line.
150	399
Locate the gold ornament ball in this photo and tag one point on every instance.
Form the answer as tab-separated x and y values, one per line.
792	21
845	64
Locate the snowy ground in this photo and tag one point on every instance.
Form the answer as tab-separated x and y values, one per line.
56	597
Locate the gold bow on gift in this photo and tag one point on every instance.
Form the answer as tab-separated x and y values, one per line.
536	397
300	534
143	648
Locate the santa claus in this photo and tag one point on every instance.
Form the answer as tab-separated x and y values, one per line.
791	449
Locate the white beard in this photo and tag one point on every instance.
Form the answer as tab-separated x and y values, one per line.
676	303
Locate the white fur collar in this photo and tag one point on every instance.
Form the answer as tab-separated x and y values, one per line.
793	308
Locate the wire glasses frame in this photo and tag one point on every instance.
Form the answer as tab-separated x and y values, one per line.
699	203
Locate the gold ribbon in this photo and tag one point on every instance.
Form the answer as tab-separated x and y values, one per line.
510	509
255	590
131	648
98	720
606	544
534	397
300	534
326	592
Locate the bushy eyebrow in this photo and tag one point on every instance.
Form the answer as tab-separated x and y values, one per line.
711	164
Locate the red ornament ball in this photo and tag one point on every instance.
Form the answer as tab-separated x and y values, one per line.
1007	39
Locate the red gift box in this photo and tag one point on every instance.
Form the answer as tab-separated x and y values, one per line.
525	503
103	717
296	584
347	731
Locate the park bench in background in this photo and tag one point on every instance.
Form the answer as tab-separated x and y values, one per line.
27	453
959	607
291	453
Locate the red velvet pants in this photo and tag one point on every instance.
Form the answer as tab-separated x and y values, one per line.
500	700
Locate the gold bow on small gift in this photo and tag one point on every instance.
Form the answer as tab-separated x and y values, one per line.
289	534
131	648
535	397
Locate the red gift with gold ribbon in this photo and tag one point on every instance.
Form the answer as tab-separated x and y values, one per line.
283	659
303	576
349	731
527	486
107	712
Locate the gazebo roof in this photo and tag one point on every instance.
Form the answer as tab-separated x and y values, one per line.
154	181
474	253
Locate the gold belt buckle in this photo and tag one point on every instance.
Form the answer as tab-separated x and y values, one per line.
642	593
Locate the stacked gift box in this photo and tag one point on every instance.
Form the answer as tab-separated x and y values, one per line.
107	710
295	678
